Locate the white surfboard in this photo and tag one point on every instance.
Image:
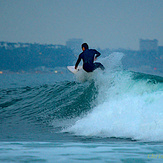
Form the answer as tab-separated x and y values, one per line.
73	70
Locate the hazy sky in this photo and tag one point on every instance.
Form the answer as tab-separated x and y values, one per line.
100	23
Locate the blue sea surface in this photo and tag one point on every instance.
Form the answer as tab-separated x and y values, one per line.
111	116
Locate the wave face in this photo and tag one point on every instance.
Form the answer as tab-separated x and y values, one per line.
115	103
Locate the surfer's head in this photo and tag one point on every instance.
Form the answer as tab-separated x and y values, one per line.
84	46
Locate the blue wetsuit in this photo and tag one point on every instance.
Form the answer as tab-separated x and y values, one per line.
88	56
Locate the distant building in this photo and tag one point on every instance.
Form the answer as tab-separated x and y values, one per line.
148	45
74	44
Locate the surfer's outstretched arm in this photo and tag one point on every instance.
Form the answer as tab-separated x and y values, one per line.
78	61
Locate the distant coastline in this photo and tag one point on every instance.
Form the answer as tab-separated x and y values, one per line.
24	58
34	58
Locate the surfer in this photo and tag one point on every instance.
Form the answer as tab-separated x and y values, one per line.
89	56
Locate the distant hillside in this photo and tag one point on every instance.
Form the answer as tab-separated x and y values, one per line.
24	56
143	61
19	57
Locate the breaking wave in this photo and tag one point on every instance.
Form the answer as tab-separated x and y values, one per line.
114	103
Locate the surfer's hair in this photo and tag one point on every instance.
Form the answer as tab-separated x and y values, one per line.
85	45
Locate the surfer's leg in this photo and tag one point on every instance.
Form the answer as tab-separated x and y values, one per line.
98	65
88	68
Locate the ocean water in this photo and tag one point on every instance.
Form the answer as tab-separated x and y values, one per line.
111	116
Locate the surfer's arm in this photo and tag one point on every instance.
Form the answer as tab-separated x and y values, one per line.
97	54
78	61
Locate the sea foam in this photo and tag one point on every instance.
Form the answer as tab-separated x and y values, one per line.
124	107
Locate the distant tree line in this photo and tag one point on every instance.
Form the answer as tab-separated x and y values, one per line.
19	56
25	56
142	58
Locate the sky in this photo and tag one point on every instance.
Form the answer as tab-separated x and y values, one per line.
101	23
